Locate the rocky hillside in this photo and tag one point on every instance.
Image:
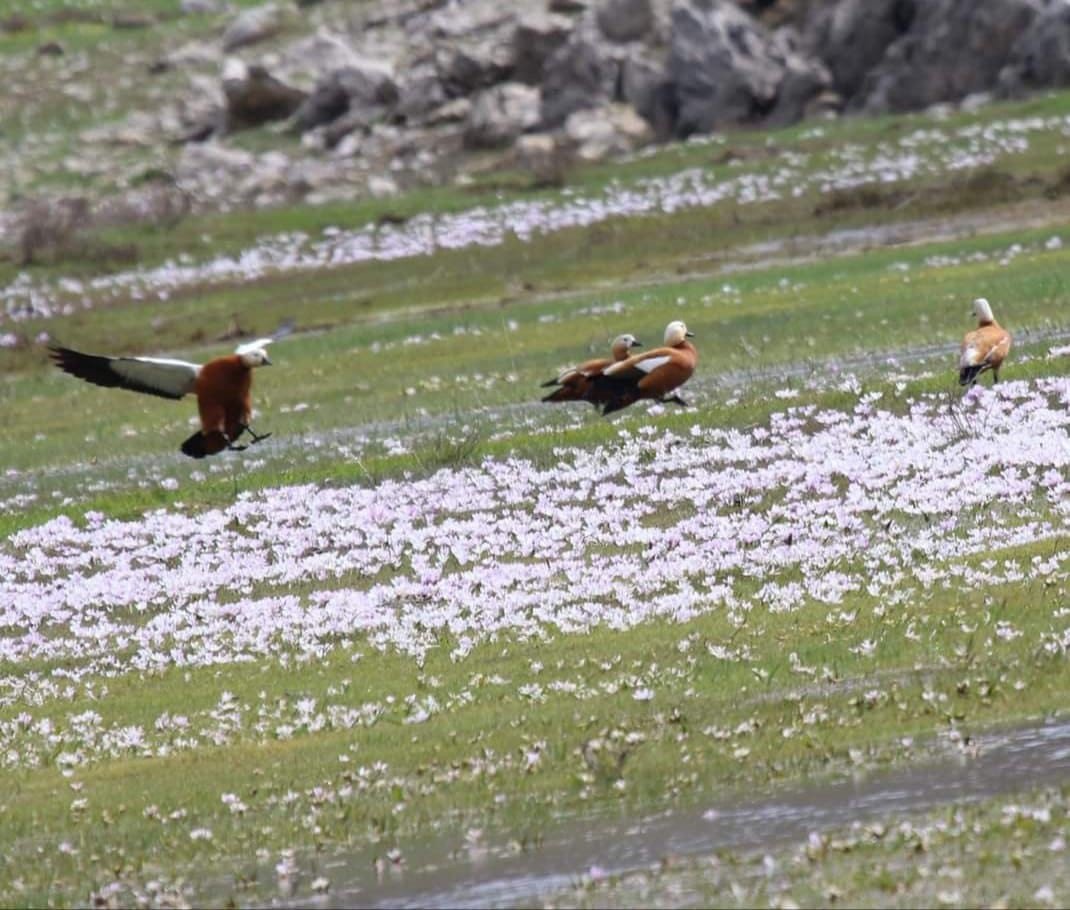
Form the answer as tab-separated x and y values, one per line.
201	104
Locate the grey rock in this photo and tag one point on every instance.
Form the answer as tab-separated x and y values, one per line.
1040	56
500	114
725	68
601	132
643	84
852	36
454	111
467	66
625	20
253	25
545	156
304	61
583	73
535	39
364	93
805	78
420	93
953	48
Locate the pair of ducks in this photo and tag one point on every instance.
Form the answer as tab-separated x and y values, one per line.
223	385
612	383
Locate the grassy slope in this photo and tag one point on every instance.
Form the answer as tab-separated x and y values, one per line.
445	774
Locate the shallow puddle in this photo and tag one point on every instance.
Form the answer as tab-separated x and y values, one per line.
474	874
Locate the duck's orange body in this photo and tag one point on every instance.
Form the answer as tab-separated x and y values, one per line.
651	374
575	384
985	348
222	386
224	400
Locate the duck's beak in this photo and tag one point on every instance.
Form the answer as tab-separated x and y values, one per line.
689	334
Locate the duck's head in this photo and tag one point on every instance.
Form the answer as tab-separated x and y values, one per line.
675	333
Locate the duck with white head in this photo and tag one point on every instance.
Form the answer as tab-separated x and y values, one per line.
222	387
574	384
984	348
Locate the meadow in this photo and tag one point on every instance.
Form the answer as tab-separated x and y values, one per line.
433	610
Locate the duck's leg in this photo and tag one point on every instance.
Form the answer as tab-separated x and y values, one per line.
244	428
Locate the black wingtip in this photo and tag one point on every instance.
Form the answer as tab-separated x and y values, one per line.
92	368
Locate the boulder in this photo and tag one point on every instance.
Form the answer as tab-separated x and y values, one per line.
952	49
500	114
725	68
253	96
364	93
582	73
853	35
625	20
614	129
805	79
642	83
466	66
1040	57
535	39
252	26
306	60
544	156
420	93
455	111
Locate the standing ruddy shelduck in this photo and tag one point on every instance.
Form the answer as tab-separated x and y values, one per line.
574	384
985	347
222	388
651	374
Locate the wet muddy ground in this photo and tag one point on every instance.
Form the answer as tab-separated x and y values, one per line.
474	873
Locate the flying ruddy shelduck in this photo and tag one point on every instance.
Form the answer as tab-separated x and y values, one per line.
222	387
651	374
574	384
985	347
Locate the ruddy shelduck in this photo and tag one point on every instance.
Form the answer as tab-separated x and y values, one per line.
222	387
575	383
651	374
985	347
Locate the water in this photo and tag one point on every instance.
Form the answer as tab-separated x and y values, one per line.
460	874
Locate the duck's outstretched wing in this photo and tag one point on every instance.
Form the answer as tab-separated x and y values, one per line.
151	375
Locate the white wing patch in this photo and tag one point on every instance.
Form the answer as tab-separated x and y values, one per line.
173	378
251	346
646	365
652	363
969	356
